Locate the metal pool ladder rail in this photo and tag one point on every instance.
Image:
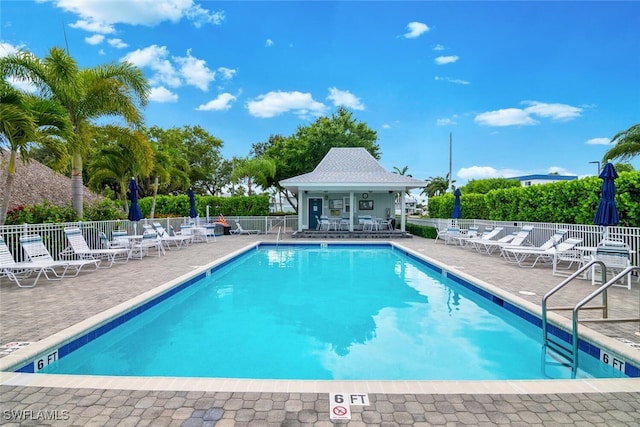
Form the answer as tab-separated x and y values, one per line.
554	343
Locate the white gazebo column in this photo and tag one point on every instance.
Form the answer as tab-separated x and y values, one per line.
403	219
351	210
300	209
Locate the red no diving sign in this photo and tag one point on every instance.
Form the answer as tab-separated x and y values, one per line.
340	404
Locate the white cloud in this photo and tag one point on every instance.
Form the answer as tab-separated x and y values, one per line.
450	80
386	126
559	112
221	103
188	69
415	29
277	102
559	170
162	94
442	60
518	116
117	43
345	98
598	141
195	71
155	58
268	43
445	122
484	172
7	49
226	73
438	47
94	39
93	26
505	117
100	16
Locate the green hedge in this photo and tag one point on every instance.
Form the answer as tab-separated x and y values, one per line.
170	206
422	230
166	206
570	202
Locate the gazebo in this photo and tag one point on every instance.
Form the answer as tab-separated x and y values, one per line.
348	183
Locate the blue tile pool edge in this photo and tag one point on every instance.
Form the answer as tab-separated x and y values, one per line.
66	346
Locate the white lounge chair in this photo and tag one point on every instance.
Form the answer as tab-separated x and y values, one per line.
240	230
37	252
177	240
545	252
565	252
79	248
519	239
471	233
17	271
488	234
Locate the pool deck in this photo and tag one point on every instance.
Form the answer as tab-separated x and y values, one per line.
32	315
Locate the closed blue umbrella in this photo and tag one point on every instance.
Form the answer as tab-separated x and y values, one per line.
134	210
457	212
192	204
607	213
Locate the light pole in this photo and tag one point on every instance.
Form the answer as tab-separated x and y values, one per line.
598	163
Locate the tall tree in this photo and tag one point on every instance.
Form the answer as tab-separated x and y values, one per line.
436	186
301	152
25	120
256	170
89	94
201	151
122	154
627	145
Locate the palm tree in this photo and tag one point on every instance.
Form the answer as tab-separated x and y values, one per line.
168	169
122	154
627	145
402	171
258	170
436	186
111	90
26	119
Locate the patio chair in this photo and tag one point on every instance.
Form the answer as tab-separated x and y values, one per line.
17	271
615	258
566	252
489	233
471	233
37	252
79	249
149	240
240	230
519	239
177	240
118	242
543	253
518	254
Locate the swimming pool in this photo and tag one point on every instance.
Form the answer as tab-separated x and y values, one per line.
377	298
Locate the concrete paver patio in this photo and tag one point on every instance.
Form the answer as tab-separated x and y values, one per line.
30	315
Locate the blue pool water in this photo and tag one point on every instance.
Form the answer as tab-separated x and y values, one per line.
324	313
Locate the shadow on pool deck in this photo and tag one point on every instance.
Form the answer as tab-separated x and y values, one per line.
29	315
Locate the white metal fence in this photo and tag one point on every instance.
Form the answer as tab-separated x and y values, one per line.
54	238
591	235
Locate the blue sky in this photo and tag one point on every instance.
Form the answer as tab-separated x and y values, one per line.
523	87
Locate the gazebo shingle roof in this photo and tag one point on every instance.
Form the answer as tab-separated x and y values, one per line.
350	167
